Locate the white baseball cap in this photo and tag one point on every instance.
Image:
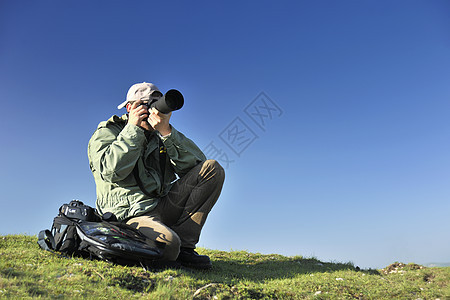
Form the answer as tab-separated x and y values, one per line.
141	91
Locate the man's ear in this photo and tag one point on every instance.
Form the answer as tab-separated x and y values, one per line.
128	106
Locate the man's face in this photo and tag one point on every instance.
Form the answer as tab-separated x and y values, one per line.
154	96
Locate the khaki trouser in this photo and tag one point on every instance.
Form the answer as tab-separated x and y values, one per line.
179	217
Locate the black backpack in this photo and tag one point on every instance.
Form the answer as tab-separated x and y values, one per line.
80	230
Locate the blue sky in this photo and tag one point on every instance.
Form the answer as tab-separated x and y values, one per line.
351	164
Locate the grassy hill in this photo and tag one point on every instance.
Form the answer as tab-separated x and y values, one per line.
26	271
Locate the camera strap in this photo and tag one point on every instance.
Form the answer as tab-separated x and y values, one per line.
162	165
162	158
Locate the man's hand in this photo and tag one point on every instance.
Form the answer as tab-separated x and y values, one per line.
160	121
138	114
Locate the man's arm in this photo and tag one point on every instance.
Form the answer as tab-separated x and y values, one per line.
114	154
183	153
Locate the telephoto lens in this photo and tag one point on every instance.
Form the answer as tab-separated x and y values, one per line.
172	100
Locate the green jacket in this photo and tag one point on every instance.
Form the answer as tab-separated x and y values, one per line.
113	151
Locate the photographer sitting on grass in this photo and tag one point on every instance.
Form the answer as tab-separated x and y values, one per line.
135	160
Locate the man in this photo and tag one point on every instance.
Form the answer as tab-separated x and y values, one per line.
152	177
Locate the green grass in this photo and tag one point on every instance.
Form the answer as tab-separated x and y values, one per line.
26	271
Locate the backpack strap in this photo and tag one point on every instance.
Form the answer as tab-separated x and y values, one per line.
46	240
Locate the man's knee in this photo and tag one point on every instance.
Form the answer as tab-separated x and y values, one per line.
156	231
212	165
173	243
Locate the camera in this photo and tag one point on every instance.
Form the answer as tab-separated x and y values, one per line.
77	210
172	100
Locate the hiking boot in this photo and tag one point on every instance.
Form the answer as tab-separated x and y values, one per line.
189	258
